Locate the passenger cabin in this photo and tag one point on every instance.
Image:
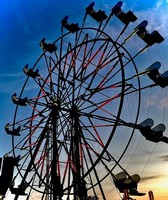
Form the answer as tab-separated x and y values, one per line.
99	16
156	76
14	132
124	182
154	134
30	72
70	27
126	18
47	47
149	38
19	101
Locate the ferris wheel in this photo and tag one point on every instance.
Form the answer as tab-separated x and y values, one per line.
74	105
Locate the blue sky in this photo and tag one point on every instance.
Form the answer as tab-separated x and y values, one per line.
22	26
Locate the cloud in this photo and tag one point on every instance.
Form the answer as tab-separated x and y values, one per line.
157	17
158	100
148	178
9	82
9	75
164	158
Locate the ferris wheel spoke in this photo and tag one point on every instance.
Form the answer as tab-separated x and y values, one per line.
90	56
68	62
101	118
36	150
91	92
96	175
89	178
97	69
68	163
97	180
51	86
98	89
107	79
87	62
101	104
84	54
31	134
93	137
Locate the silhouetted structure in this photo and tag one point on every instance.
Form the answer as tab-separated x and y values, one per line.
30	72
124	182
7	173
99	16
14	132
156	76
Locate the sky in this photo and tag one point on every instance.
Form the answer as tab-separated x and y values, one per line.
22	26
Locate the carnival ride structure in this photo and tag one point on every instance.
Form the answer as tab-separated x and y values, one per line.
73	105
